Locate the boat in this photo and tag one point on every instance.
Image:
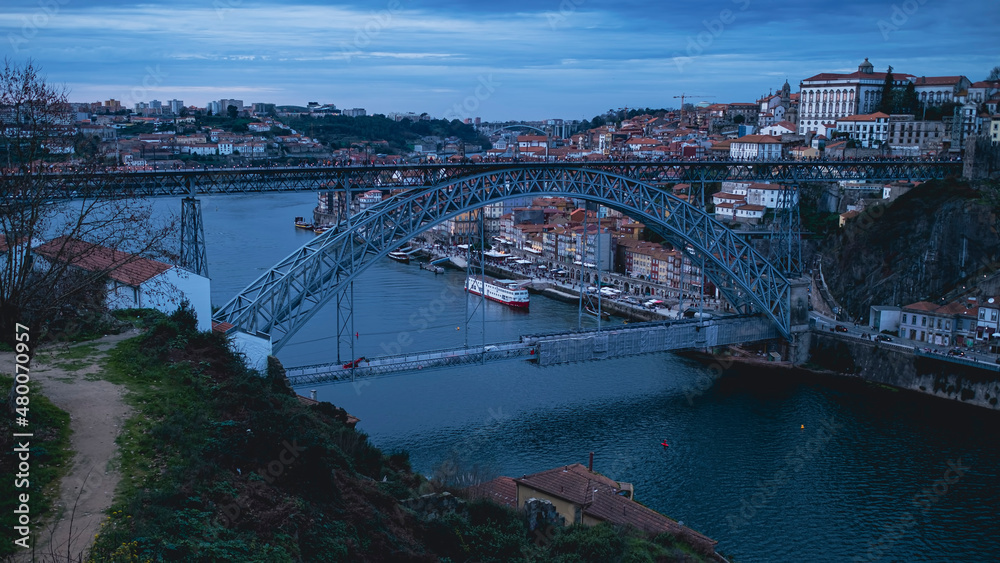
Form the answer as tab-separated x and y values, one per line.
302	224
507	292
320	229
431	268
400	256
605	316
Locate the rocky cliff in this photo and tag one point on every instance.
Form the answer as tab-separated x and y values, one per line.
937	238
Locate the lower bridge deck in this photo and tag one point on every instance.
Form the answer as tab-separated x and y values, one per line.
556	348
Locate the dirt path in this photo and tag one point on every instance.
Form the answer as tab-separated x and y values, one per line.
97	413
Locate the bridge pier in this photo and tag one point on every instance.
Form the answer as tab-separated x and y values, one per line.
798	351
193	257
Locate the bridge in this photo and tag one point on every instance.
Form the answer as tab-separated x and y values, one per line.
272	308
210	181
556	348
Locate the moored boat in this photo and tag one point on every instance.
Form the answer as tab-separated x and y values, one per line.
605	316
400	256
320	229
507	292
301	223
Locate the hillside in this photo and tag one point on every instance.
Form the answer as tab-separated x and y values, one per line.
934	240
220	464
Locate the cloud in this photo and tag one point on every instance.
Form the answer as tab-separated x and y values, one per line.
417	54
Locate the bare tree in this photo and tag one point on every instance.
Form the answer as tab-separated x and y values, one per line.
39	203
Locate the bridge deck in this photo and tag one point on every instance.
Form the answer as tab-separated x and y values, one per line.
557	348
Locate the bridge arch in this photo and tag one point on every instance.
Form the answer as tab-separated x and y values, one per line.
282	300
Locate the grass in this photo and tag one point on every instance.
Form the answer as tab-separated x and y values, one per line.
50	455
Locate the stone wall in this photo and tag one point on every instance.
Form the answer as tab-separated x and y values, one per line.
898	366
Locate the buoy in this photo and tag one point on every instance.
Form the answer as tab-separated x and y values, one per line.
458	328
803	427
665	444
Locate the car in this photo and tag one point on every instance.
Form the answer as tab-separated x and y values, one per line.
840	328
956	352
883	338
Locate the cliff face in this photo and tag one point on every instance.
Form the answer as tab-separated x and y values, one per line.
935	239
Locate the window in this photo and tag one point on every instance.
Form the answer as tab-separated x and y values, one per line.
904	318
993	315
923	321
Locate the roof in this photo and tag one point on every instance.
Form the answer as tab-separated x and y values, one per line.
866	117
502	490
937	80
752	208
598	496
922	306
122	267
757	139
880	76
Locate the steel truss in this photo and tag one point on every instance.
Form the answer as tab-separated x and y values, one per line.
282	300
182	183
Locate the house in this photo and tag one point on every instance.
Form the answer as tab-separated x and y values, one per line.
953	324
755	147
778	129
134	282
581	496
870	130
988	322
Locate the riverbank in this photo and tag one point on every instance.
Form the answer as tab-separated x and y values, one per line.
834	357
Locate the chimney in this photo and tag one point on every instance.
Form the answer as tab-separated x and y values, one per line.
590	466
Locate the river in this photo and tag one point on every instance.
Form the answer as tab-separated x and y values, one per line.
775	467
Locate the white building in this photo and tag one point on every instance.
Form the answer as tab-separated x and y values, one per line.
134	282
988	322
771	196
828	96
907	136
750	213
225	148
871	130
369	199
755	147
884	318
778	129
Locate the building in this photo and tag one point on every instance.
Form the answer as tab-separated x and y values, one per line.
953	324
755	147
870	130
910	137
937	90
988	321
884	318
829	96
113	105
175	106
995	130
354	112
224	104
581	496
134	282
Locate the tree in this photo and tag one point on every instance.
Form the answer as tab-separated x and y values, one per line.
42	292
994	75
232	111
739	118
910	102
885	103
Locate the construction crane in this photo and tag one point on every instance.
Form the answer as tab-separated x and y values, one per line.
682	96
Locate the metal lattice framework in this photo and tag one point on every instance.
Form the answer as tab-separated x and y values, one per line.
290	293
183	183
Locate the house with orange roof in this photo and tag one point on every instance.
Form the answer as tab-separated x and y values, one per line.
755	147
582	496
870	130
953	324
134	282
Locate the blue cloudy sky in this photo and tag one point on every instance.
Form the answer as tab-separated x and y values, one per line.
516	59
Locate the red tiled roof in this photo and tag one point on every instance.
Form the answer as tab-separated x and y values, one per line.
757	139
122	267
937	80
600	499
222	327
502	490
922	306
866	117
880	76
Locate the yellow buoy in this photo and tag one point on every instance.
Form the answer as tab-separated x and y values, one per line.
803	427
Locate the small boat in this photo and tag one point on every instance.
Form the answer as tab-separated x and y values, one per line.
431	268
302	224
320	229
605	316
400	256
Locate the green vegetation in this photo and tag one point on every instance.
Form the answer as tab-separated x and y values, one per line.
221	464
340	132
49	458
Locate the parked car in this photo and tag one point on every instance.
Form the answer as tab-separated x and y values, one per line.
883	338
840	328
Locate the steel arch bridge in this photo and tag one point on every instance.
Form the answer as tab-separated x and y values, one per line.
282	300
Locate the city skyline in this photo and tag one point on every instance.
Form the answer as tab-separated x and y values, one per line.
569	59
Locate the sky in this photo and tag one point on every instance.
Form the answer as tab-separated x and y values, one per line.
510	60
